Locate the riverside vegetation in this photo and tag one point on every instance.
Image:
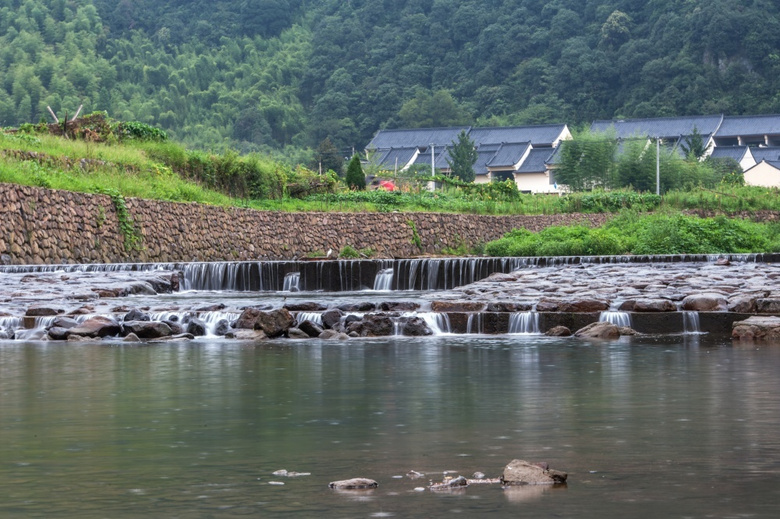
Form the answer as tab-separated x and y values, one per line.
102	155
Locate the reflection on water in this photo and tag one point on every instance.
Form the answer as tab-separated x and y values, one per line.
653	427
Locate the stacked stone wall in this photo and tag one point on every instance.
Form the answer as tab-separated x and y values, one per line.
44	226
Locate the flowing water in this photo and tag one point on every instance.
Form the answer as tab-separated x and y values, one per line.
674	426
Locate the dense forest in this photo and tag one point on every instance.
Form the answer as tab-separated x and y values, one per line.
282	75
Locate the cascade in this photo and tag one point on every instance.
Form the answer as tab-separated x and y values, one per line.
474	323
292	282
622	319
315	317
438	323
524	322
690	322
384	280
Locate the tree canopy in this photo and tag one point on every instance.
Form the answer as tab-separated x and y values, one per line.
282	75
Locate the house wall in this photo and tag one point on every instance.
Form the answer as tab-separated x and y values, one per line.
763	174
534	182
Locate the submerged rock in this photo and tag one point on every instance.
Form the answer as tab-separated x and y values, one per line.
354	484
451	484
599	330
520	472
558	331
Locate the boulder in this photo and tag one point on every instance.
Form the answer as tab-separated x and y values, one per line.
57	333
331	317
175	327
365	306
147	329
547	305
182	337
247	335
520	472
373	325
757	327
649	305
64	322
398	306
98	326
558	331
333	335
247	319
583	306
131	337
43	311
504	306
415	327
141	288
599	330
222	327
768	306
706	302
456	306
450	484
305	307
297	333
197	327
136	315
354	484
274	323
310	328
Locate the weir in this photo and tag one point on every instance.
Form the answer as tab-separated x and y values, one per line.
353	275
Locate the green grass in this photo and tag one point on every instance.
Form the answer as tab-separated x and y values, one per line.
631	233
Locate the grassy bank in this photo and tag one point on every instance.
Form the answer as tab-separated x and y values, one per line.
631	233
134	162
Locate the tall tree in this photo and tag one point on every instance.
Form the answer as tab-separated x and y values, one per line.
355	179
328	157
463	156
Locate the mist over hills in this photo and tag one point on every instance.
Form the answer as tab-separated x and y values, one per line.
269	75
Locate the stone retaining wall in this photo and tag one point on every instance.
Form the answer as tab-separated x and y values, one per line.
39	226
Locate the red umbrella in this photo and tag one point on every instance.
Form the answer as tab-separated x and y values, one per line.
386	184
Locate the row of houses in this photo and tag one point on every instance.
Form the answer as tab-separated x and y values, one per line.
528	154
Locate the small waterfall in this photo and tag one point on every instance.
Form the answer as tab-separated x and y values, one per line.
384	280
292	282
690	322
524	322
437	322
621	319
474	323
315	317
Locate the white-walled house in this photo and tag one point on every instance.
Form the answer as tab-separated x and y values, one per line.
765	174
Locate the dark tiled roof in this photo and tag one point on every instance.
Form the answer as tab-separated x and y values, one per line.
541	135
536	161
387	158
442	154
729	152
771	153
666	127
736	125
416	137
508	155
484	155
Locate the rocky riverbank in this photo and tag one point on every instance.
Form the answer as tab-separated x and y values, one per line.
562	299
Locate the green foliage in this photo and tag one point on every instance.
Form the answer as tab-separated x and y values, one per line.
651	234
462	157
416	240
355	178
611	201
133	239
348	252
140	131
587	161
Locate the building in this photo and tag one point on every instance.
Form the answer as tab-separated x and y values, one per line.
519	153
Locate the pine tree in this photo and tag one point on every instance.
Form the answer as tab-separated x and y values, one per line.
463	155
356	179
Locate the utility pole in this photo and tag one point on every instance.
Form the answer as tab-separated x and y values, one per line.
658	166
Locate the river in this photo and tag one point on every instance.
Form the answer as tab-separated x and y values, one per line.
652	426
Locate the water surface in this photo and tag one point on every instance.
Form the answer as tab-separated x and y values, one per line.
679	426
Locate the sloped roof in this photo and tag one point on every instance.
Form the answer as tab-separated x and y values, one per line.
730	152
442	154
736	125
387	158
485	154
540	135
415	137
536	162
508	155
664	127
771	153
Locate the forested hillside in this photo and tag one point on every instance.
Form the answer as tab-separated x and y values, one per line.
286	74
